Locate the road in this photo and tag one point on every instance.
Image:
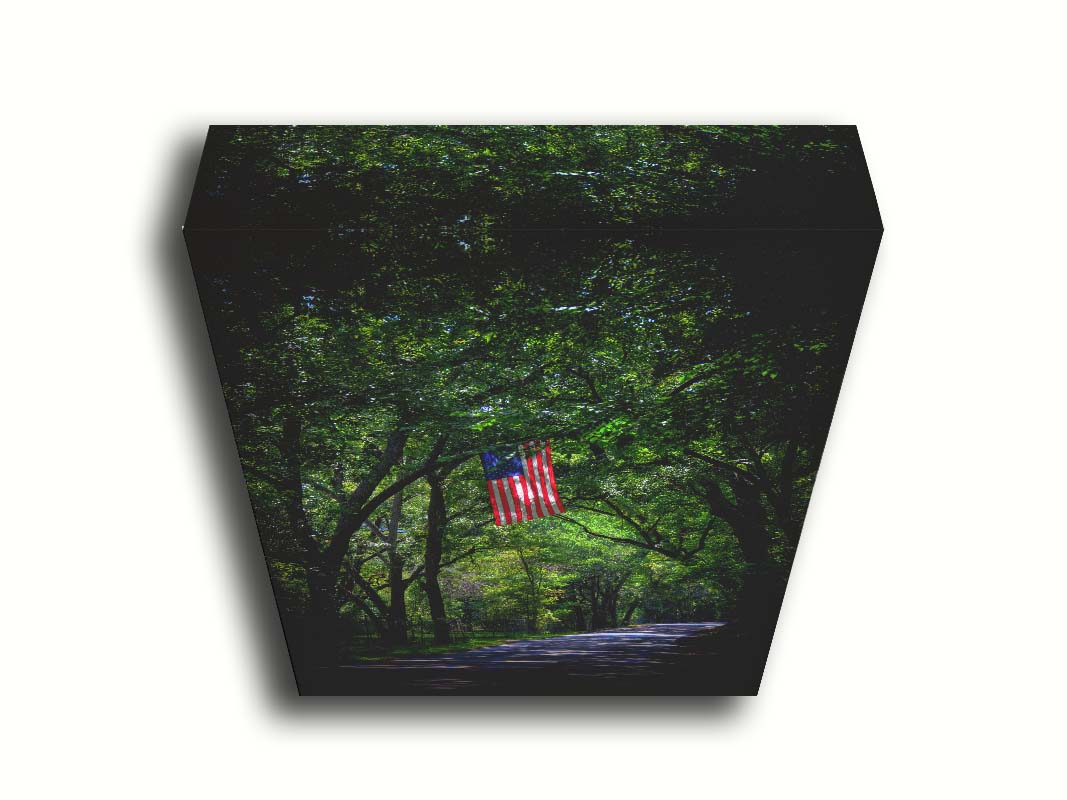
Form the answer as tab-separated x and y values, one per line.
676	658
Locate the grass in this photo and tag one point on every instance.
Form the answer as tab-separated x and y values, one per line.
470	642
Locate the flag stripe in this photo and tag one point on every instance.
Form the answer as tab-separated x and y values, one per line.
516	498
541	482
501	505
492	502
498	489
528	476
552	477
526	499
510	504
542	467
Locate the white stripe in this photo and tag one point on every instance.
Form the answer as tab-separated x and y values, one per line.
538	501
516	488
540	492
524	490
505	488
543	467
499	501
550	478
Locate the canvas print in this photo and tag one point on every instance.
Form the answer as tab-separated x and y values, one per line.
531	409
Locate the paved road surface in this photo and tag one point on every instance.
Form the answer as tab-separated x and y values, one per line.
644	659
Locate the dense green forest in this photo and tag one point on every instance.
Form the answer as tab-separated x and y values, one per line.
387	303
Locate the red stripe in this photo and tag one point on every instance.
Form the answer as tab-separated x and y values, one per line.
515	498
552	477
504	503
540	461
526	493
527	482
492	502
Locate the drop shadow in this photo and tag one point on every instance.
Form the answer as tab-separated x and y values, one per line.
214	438
453	712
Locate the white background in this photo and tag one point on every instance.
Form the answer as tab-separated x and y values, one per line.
921	649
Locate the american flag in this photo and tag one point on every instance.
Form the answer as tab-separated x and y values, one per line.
522	485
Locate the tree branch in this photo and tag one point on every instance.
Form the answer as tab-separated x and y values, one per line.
620	540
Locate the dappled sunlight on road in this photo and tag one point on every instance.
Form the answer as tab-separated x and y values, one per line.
640	652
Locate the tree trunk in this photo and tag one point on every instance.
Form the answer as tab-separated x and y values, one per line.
321	635
611	603
762	588
318	633
579	611
435	537
325	565
533	604
630	609
597	617
398	615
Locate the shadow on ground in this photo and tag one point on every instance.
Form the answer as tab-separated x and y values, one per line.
696	658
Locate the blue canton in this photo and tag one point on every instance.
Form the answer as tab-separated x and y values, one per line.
497	465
